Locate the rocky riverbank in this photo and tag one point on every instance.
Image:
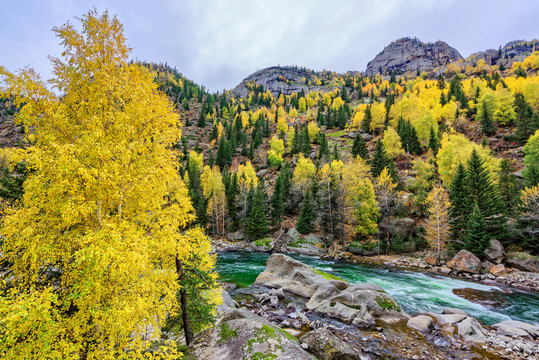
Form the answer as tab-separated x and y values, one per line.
296	312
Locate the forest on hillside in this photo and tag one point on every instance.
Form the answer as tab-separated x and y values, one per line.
124	181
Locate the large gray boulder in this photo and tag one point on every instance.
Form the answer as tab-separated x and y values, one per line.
495	251
291	275
465	261
523	261
327	346
241	334
262	245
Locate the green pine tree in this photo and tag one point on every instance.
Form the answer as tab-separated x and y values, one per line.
366	123
475	235
482	191
379	159
508	186
434	143
336	153
487	125
526	121
323	151
257	222
359	148
306	219
458	211
277	201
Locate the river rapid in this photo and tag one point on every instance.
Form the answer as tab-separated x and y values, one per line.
416	292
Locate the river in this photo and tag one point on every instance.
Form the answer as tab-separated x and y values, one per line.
416	292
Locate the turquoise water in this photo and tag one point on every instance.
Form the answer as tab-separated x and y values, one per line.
416	292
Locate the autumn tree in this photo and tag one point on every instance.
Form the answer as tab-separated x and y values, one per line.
528	220
392	143
437	224
214	190
96	247
459	209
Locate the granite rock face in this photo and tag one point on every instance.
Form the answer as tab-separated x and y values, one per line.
276	79
409	54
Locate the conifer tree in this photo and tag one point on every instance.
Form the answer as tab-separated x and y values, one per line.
323	151
336	153
202	119
359	148
367	119
508	185
481	191
277	201
434	143
487	125
306	219
257	222
458	195
379	159
527	122
475	235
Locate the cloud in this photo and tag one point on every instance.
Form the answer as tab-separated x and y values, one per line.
218	43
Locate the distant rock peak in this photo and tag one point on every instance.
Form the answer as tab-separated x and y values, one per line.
411	54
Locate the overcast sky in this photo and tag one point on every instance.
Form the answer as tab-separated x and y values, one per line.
218	43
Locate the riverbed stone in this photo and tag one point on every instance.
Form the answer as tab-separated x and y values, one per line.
495	251
236	236
309	244
262	245
465	262
486	265
532	330
431	259
421	323
498	270
325	345
471	330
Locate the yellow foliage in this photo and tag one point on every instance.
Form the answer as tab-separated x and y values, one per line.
456	148
313	130
437	224
102	208
247	176
293	113
277	145
302	104
282	126
337	103
392	143
303	173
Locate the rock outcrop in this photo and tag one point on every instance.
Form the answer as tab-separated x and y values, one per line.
286	80
309	244
409	54
240	334
523	261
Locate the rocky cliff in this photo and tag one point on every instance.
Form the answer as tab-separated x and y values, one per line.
408	54
287	80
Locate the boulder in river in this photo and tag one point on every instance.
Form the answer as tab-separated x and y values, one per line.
495	251
401	227
330	296
283	272
325	345
236	236
465	261
262	245
514	328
